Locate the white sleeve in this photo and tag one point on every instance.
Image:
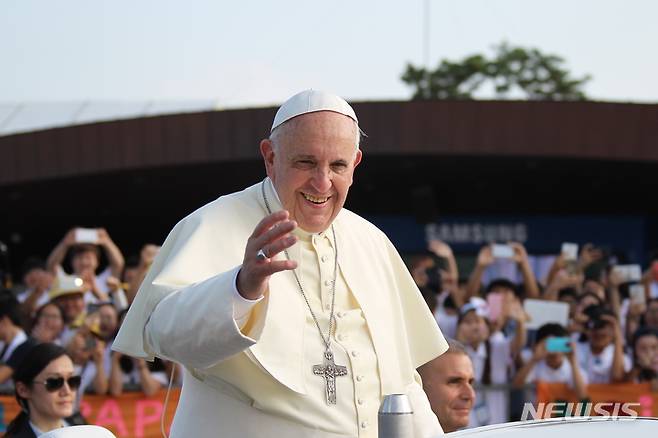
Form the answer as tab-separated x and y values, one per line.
628	363
119	299
241	305
195	325
101	280
500	356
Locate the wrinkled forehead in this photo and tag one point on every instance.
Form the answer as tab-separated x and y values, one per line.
326	126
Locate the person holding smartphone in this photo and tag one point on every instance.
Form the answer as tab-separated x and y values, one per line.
83	246
511	252
553	360
602	356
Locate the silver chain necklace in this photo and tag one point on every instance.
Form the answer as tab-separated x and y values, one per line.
329	370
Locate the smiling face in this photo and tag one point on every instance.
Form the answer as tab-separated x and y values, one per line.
50	317
448	383
83	261
311	164
46	407
72	305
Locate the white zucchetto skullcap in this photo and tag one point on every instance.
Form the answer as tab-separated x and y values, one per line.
310	101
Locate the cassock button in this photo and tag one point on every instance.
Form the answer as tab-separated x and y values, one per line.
364	424
360	401
340	314
355	353
342	337
327	282
324	258
359	378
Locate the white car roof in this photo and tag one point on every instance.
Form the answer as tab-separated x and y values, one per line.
581	427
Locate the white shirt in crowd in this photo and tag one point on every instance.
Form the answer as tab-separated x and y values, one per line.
598	367
43	299
564	374
20	337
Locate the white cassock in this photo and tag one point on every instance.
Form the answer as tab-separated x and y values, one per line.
254	378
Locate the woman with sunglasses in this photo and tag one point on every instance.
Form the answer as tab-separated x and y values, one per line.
45	388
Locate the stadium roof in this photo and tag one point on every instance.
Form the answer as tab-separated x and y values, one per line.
18	117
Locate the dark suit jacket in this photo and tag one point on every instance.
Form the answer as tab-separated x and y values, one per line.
24	431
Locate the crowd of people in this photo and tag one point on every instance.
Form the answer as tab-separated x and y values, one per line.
608	336
609	332
61	324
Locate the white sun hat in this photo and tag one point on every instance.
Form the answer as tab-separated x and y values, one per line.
310	101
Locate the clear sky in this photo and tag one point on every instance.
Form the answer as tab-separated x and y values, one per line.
245	53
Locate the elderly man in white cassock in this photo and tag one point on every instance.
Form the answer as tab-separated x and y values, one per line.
292	316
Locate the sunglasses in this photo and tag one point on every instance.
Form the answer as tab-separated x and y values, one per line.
53	384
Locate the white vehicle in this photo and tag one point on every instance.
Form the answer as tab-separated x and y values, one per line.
567	427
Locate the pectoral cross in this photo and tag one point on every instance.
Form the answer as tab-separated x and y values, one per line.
329	370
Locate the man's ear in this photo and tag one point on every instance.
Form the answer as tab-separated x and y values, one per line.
357	157
267	152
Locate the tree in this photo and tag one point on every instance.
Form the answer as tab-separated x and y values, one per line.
540	76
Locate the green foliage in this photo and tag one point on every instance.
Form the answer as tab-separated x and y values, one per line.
538	75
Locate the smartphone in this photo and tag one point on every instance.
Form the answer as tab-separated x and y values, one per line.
495	305
560	344
629	272
500	251
636	294
86	235
569	251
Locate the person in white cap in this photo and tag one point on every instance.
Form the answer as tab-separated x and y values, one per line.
292	316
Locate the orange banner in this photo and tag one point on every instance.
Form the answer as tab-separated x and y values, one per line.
131	415
611	397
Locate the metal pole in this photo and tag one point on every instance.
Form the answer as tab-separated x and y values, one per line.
426	36
395	419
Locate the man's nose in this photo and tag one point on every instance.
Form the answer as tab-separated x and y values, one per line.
322	179
468	393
